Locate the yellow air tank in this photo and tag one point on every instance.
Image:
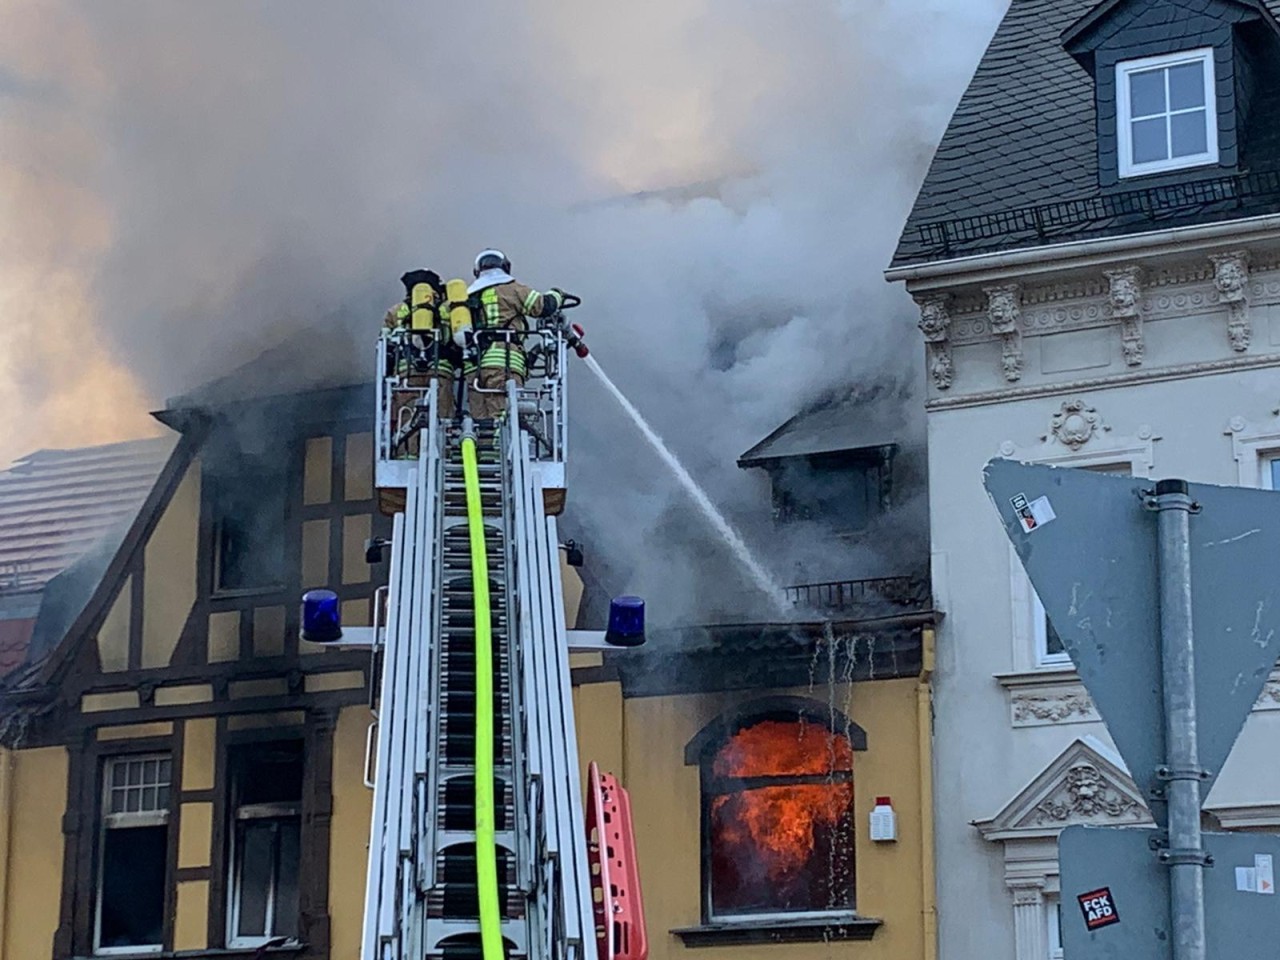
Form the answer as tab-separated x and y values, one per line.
459	312
422	304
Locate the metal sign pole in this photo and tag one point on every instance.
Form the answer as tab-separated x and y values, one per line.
1185	856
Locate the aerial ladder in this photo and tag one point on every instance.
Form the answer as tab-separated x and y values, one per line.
481	846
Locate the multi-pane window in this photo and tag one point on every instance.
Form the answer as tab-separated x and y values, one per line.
266	810
133	853
1166	117
778	827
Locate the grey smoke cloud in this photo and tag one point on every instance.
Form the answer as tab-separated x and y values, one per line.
721	180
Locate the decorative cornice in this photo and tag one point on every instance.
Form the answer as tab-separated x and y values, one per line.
1179	372
1058	697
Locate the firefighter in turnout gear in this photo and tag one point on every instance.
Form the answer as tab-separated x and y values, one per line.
424	349
503	307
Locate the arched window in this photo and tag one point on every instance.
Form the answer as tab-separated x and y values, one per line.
777	822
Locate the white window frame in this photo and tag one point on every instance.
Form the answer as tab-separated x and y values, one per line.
117	821
1266	469
251	812
1030	631
1040	635
1254	446
1053	926
1124	129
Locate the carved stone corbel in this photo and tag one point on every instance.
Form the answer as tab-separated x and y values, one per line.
1126	306
935	324
1231	278
1004	310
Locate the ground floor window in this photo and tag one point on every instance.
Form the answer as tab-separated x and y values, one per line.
266	831
133	854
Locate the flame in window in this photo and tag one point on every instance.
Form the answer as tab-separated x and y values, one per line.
778	844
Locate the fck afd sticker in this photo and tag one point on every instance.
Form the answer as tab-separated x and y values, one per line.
1099	908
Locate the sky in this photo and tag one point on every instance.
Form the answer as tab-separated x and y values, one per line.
723	181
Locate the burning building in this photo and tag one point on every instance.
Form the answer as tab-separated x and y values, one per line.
182	773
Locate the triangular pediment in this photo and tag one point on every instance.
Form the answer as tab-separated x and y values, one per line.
1086	783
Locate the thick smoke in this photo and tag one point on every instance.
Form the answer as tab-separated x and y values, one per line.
721	180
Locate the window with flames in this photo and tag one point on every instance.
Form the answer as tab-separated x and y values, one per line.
778	822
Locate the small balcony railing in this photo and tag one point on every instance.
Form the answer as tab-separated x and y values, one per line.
878	596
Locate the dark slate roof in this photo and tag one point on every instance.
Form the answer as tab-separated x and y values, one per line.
1023	138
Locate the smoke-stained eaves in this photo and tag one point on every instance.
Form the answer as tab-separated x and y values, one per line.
318	357
863	419
751	656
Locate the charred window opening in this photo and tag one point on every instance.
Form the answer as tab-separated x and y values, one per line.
778	821
844	491
133	854
266	837
249	506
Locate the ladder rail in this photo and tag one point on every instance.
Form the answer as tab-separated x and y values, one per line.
554	743
514	588
373	880
422	643
392	907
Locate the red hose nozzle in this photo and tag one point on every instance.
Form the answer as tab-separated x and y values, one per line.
574	340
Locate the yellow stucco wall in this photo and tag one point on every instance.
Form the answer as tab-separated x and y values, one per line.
169	585
317	473
33	865
643	741
349	843
113	637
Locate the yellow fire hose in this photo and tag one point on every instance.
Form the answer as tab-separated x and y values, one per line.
486	844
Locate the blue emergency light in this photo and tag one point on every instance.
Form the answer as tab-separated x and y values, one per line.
626	622
321	616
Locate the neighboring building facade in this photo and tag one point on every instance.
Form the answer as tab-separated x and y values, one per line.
1096	256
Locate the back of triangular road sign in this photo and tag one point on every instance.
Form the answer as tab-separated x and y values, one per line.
1088	543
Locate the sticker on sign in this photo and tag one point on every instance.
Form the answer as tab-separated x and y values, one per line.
1099	908
1260	878
1033	514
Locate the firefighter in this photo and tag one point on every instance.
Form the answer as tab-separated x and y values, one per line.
504	304
423	351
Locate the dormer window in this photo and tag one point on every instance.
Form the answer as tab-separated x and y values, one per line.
1166	115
